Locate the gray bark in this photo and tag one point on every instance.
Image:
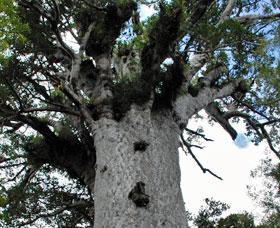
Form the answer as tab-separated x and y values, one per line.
121	165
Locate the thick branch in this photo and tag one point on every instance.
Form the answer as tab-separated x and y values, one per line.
161	42
66	153
37	87
251	19
56	11
199	11
216	113
228	10
258	127
79	102
30	173
63	151
38	125
13	165
108	24
185	106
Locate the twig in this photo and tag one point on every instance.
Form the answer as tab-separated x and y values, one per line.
51	109
54	213
196	146
249	106
204	170
198	134
18	173
12	165
54	24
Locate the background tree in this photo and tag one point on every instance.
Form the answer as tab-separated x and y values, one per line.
211	216
267	196
86	92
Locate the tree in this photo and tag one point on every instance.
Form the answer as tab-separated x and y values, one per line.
238	221
209	216
268	196
108	111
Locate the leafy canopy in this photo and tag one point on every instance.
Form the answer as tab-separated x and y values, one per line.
43	107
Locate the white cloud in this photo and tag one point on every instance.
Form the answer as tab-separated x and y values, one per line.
146	11
168	61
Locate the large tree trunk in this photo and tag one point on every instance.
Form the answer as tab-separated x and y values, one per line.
137	172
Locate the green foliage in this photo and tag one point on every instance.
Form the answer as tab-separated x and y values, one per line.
237	221
267	70
57	95
12	29
275	173
3	201
36	139
271	222
208	216
107	25
4	92
126	92
45	193
268	196
145	27
29	69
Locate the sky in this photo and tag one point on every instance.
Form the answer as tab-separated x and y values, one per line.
233	161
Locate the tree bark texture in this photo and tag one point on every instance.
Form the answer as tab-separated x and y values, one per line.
137	172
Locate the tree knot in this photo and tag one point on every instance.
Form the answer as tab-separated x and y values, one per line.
138	196
140	145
